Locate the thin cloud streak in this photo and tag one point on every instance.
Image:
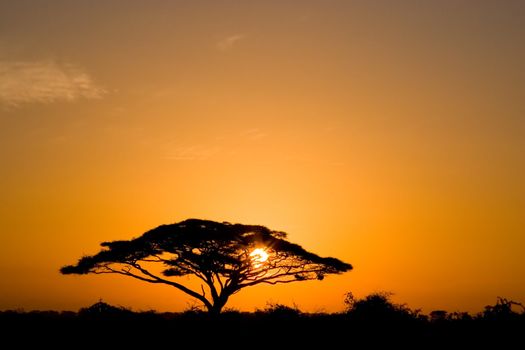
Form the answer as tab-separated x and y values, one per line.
229	42
254	134
196	152
44	82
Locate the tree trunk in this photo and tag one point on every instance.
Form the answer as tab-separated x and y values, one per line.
215	310
218	304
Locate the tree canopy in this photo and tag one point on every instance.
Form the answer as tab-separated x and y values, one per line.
225	257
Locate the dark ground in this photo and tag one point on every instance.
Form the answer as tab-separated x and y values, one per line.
373	322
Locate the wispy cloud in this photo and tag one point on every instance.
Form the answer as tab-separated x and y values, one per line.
44	82
254	134
229	42
225	145
196	152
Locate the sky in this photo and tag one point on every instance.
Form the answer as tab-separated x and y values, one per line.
388	134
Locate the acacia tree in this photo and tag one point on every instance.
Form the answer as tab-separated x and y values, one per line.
225	257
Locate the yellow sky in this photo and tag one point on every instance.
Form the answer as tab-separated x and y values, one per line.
388	134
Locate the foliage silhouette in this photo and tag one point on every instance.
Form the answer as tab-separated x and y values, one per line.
275	325
280	311
377	307
104	309
503	310
225	257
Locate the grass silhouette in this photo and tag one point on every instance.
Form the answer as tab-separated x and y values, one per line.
372	320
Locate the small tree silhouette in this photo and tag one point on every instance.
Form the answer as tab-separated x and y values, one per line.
377	307
503	310
225	257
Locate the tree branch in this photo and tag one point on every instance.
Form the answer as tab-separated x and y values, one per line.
157	279
269	280
218	278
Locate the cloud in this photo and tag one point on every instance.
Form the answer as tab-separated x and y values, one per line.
196	152
227	43
44	82
254	134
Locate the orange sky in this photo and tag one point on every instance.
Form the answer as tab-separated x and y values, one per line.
388	134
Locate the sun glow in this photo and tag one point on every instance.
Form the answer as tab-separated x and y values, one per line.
259	256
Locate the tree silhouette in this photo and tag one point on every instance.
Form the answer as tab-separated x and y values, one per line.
225	257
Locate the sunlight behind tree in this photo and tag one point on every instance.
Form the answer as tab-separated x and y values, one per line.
225	257
259	256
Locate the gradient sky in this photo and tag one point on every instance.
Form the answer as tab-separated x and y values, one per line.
389	134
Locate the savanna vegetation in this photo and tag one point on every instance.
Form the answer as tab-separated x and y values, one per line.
374	320
227	258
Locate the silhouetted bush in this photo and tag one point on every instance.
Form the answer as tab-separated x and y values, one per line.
373	319
378	308
103	312
277	310
503	311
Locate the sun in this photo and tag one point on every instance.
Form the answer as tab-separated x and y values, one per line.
259	256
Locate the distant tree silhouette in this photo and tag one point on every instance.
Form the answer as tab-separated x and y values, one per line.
225	257
503	310
281	311
377	307
438	316
103	309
